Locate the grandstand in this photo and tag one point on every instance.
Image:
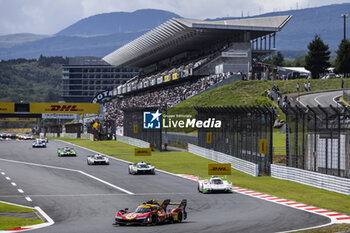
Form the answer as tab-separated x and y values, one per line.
183	57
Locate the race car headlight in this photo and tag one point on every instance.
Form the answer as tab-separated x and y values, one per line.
148	219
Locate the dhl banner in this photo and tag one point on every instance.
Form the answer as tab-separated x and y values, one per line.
174	75
219	169
166	78
143	151
73	108
18	119
7	107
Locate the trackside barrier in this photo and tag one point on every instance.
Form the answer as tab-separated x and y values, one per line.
238	164
315	179
133	141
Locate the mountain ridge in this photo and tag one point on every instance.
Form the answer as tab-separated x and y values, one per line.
88	37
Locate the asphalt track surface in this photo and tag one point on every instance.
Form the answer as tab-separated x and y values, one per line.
324	99
79	203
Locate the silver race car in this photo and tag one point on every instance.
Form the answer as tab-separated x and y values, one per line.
141	168
38	143
97	159
214	184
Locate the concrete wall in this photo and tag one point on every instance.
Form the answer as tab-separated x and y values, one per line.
133	141
315	179
238	164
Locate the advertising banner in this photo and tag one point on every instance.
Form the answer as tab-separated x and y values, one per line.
219	169
72	108
18	119
143	151
7	107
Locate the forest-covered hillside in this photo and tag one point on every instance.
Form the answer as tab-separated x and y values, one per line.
23	80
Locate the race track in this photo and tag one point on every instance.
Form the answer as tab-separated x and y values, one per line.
82	198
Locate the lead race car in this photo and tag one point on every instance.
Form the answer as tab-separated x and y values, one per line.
153	213
97	159
214	184
141	168
66	152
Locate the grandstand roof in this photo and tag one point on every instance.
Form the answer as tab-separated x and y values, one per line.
178	35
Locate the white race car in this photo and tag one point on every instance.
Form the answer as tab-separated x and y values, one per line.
214	184
38	143
97	159
141	168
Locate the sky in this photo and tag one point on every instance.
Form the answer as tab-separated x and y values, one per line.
50	16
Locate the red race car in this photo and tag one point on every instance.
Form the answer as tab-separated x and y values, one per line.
153	213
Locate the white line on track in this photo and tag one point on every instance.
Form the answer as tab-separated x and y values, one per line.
335	98
28	199
73	170
13	184
318	102
3	173
8	178
20	190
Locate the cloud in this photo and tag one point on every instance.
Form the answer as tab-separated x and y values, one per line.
49	17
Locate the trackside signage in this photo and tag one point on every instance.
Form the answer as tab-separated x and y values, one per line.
219	169
143	151
71	108
7	107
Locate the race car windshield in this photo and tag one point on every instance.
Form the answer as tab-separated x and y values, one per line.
216	181
99	157
142	210
142	165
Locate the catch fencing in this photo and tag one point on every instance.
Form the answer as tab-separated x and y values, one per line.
133	127
318	139
241	134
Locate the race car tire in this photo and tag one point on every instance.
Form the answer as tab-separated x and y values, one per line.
199	190
179	217
121	224
155	220
129	170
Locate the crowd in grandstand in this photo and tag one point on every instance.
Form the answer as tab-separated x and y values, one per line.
166	95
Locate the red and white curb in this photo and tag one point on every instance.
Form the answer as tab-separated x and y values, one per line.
335	217
48	222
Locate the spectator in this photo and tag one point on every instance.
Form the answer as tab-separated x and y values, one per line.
342	83
298	87
309	86
305	86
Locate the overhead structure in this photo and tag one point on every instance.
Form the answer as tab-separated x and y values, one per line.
179	35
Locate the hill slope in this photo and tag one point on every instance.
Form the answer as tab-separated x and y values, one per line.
118	22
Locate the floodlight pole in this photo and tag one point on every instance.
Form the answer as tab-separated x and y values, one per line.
344	16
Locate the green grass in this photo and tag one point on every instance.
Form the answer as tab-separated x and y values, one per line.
253	92
329	229
187	163
11	222
13	209
7	223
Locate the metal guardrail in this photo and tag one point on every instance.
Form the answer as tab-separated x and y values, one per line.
238	164
315	179
133	141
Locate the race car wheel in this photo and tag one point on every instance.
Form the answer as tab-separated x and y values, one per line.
179	217
129	171
121	224
154	220
199	190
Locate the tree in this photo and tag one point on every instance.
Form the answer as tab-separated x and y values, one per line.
343	58
278	59
317	59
